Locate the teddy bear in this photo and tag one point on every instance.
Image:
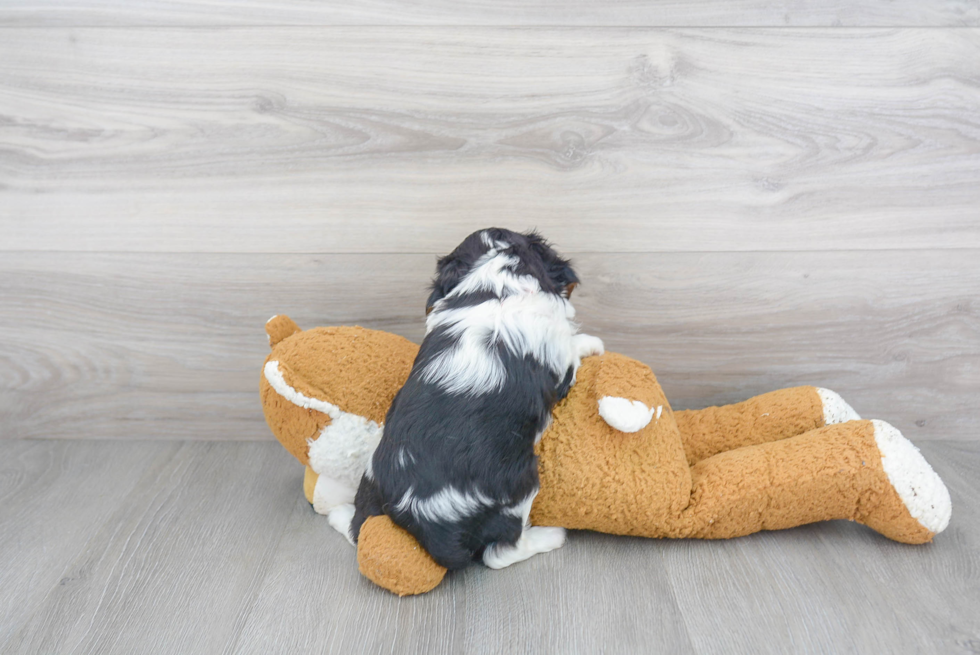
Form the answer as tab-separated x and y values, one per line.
616	458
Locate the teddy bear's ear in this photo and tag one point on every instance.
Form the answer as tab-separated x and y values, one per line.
279	327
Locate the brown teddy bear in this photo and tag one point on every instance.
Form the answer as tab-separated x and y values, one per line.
616	458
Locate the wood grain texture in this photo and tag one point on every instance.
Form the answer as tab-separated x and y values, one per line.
55	496
633	13
170	345
177	565
756	198
383	139
838	587
214	551
314	599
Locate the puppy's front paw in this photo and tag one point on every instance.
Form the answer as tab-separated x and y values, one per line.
587	345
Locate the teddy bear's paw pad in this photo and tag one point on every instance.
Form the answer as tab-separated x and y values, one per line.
339	518
835	409
586	345
626	415
920	488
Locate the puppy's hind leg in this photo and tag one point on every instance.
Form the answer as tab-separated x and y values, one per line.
533	541
340	518
513	539
331	498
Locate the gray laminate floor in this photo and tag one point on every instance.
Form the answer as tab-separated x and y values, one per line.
191	547
756	194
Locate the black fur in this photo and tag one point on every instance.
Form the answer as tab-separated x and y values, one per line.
537	258
482	442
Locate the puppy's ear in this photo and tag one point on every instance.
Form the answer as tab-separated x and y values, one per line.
560	272
449	271
563	276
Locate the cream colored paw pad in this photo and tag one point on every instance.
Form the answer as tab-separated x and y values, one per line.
835	409
919	487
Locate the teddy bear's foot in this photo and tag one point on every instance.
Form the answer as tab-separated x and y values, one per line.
924	508
835	409
534	541
391	558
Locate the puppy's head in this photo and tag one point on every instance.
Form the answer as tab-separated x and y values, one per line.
512	253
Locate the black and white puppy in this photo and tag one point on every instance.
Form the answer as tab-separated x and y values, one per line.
456	464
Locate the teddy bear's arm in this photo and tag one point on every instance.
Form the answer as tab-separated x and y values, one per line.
627	393
627	415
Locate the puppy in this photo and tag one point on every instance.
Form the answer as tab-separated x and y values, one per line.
456	465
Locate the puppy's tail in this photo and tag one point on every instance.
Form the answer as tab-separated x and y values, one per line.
279	327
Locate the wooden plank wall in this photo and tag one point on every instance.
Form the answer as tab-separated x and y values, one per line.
756	194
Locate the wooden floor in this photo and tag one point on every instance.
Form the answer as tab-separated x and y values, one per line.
191	547
755	193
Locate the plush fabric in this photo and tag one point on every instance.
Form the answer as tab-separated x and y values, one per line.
768	463
395	560
771	416
356	370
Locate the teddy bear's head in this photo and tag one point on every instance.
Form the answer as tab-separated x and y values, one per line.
316	377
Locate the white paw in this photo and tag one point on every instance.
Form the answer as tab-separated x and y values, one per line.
586	345
625	415
543	539
919	487
329	493
533	541
835	409
339	518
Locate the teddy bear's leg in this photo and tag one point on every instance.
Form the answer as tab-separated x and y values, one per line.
769	417
864	471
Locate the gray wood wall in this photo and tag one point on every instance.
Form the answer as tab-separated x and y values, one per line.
756	194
